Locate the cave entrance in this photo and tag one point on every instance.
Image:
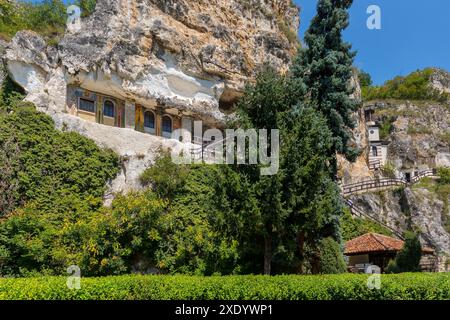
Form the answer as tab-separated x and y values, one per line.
408	177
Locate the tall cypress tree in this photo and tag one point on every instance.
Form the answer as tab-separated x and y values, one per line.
325	66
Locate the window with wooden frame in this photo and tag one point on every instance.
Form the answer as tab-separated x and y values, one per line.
167	126
86	105
108	109
149	122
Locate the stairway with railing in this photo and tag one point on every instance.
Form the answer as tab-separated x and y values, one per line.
377	185
207	150
383	184
358	212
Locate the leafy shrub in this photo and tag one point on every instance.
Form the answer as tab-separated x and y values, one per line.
329	287
47	165
51	190
415	86
355	227
392	267
165	176
388	170
444	175
109	241
331	258
386	128
408	259
47	17
365	80
87	6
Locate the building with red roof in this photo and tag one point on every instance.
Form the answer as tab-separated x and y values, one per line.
376	249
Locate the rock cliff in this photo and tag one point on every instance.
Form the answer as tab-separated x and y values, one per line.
418	138
192	57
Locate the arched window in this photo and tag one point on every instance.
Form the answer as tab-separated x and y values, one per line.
149	122
108	109
166	127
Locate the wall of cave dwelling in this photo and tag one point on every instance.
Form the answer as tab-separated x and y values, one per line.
111	111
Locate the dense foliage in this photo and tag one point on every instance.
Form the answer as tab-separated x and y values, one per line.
46	167
331	260
46	17
353	227
415	86
407	259
329	287
209	222
299	205
200	219
51	189
444	175
365	79
87	6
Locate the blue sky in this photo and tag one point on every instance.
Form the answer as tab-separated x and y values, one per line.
415	34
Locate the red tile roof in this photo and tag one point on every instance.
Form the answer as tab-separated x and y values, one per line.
373	242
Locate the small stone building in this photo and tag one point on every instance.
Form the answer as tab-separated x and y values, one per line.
376	249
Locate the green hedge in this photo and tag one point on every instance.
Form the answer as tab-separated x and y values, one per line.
328	287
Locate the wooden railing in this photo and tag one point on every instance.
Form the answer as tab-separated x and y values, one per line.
374	165
424	174
355	188
377	184
208	151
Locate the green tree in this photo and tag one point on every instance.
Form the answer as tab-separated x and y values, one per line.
365	80
109	241
166	177
261	108
73	164
408	259
353	227
444	175
331	260
87	7
325	66
311	197
209	223
299	205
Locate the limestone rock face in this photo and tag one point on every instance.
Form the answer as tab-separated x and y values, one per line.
414	208
190	55
440	80
419	135
195	56
186	56
427	213
353	172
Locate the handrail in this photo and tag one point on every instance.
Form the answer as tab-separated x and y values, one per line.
353	188
424	174
359	211
372	184
369	181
